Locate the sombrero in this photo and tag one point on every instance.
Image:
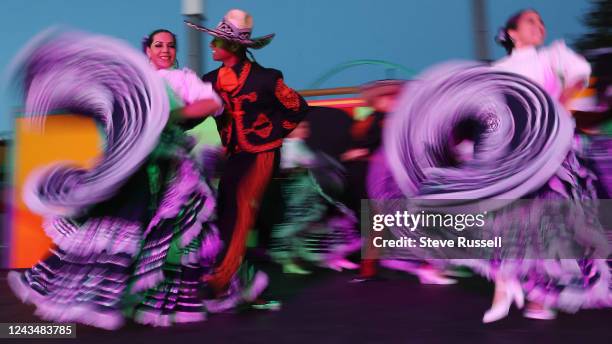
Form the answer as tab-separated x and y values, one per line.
236	26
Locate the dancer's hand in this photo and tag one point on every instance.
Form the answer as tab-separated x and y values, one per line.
197	109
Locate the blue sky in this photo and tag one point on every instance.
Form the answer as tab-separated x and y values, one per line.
312	36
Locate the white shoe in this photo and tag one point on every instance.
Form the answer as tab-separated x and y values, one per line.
543	313
346	264
425	275
499	310
431	276
338	264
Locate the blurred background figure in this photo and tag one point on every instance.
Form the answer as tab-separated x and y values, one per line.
364	155
366	136
594	118
381	96
314	226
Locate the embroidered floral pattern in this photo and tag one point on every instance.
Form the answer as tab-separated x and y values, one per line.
287	96
289	125
262	127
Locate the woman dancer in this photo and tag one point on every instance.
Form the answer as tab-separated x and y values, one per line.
567	284
553	246
193	96
562	73
556	68
382	97
131	235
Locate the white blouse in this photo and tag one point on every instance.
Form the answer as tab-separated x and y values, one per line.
554	67
189	88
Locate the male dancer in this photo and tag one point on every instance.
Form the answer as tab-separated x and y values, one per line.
260	110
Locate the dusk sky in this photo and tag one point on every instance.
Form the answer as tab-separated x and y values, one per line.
312	37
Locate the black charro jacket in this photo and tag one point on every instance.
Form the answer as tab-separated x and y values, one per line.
260	112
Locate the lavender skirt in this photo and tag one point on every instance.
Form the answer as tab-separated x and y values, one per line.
524	148
139	254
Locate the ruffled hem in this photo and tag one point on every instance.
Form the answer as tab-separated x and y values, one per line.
121	257
187	182
567	298
49	310
155	318
211	245
113	235
22	290
147	281
80	313
186	187
573	298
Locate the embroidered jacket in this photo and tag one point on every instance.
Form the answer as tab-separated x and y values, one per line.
260	110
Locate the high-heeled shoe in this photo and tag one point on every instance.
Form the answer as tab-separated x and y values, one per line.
539	312
433	276
346	264
513	292
425	274
338	264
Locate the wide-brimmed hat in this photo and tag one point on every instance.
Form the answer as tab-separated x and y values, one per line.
374	89
236	26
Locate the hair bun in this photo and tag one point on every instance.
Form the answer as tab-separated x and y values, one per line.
144	43
502	36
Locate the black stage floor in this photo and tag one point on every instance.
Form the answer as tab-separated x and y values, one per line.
326	308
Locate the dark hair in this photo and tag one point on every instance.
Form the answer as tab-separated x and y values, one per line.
503	37
148	40
239	49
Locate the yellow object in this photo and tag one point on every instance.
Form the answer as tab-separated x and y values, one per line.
64	138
